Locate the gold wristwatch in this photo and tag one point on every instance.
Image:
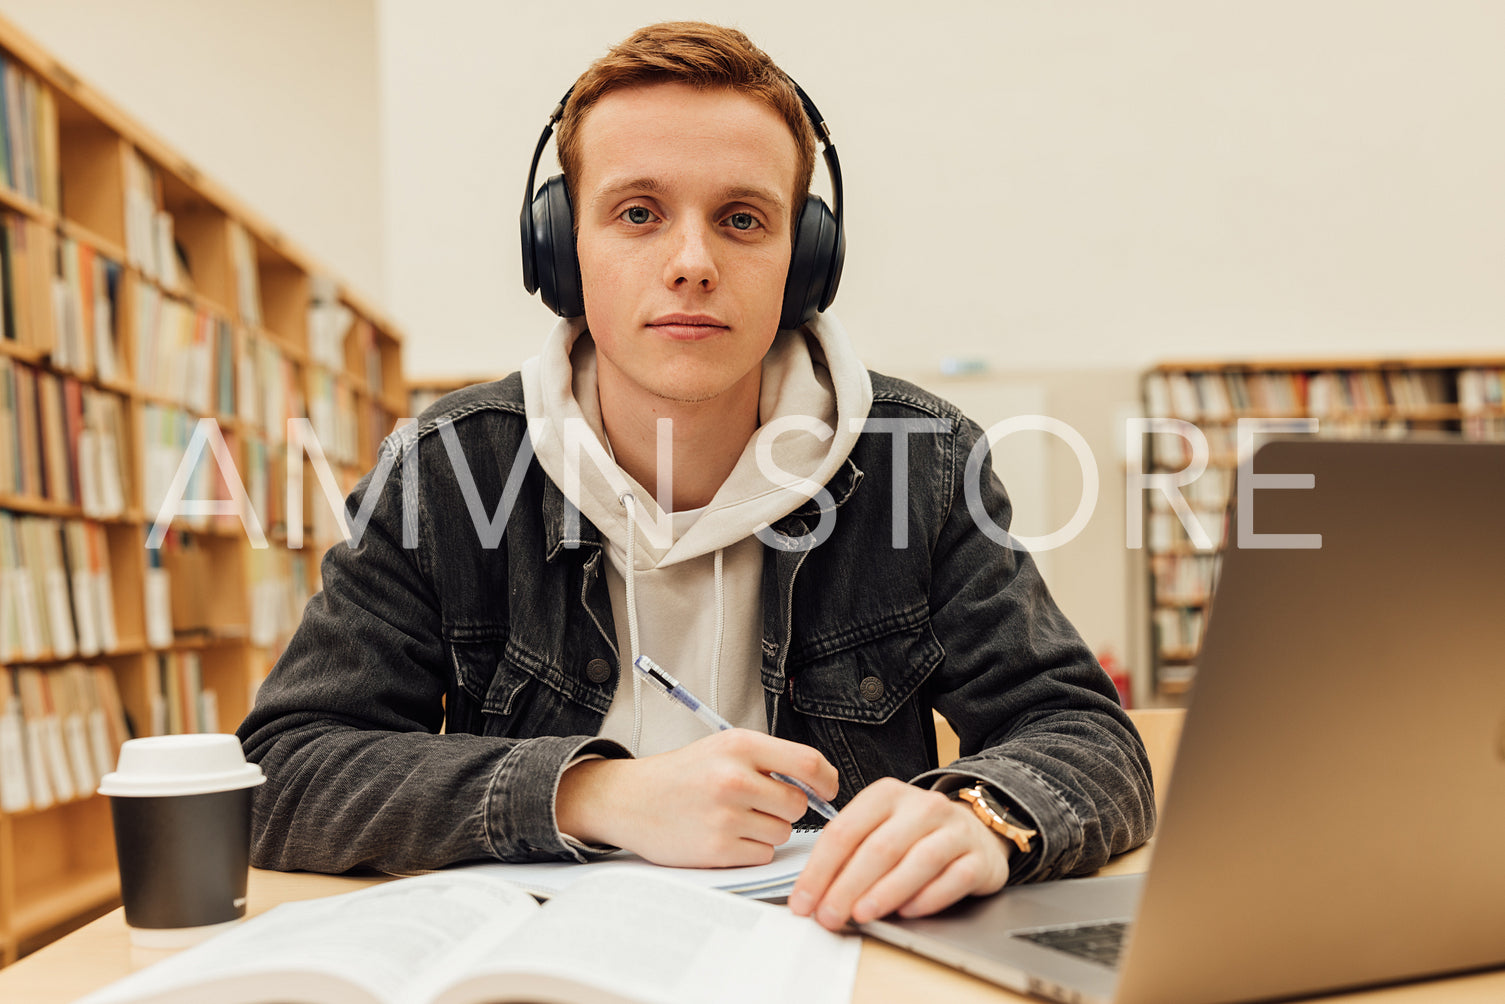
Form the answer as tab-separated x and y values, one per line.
995	817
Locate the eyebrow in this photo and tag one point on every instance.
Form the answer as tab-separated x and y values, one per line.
653	186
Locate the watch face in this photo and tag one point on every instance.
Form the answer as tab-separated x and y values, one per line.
981	798
991	804
996	817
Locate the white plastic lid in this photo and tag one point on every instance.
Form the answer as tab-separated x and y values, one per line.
195	764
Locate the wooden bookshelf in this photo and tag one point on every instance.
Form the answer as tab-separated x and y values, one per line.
141	297
1457	395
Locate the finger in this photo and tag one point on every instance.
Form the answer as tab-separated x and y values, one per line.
928	858
733	779
774	798
874	858
836	844
765	829
959	879
772	755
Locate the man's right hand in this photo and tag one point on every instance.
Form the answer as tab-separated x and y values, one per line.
710	804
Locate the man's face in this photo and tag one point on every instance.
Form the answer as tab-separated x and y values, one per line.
685	212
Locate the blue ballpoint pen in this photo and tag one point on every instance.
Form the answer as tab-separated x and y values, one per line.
672	689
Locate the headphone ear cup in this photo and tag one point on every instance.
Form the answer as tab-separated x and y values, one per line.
815	263
553	268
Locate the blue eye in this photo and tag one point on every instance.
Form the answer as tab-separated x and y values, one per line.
743	221
638	215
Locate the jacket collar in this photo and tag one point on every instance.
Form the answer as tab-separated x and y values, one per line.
557	514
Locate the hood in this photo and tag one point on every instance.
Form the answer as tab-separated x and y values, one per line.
809	374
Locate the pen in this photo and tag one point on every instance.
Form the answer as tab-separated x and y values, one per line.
672	689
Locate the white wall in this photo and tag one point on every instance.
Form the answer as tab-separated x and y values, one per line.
1040	185
274	99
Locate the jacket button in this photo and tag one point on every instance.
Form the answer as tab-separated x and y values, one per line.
598	671
871	689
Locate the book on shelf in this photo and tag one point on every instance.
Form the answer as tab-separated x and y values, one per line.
83	300
60	732
156	602
28	135
1481	389
21	624
1178	629
15	781
247	275
332	411
177	345
1221	396
329	323
459	937
56	589
1166	531
362	341
278	592
15	789
87	554
57	468
103	487
36	749
60	440
27	263
73	708
51	774
149	245
166	433
8	147
185	704
268	391
1184	578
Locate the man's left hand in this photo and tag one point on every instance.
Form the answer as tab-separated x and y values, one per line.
898	847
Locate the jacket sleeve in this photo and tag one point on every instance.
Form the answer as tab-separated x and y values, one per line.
347	727
1037	717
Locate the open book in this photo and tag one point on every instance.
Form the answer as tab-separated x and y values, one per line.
462	937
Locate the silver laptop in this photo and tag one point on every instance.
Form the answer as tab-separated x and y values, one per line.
1337	817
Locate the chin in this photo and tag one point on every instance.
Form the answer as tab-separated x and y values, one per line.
687	394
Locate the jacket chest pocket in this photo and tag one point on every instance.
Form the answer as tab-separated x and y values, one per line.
861	703
506	692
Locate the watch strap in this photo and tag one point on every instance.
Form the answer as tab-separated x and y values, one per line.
996	816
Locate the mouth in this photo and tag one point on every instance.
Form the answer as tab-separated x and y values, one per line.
687	327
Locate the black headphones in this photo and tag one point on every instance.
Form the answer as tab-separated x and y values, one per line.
552	269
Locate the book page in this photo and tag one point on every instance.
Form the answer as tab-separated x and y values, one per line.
366	946
639	936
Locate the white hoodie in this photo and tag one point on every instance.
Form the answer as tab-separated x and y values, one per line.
692	593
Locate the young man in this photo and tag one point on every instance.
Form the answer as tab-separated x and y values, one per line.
676	476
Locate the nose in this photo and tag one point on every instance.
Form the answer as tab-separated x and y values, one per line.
692	261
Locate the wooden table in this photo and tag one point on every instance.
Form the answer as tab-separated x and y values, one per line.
101	951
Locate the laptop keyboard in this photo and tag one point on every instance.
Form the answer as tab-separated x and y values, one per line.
1101	943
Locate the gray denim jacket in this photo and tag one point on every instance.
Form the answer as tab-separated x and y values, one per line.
452	614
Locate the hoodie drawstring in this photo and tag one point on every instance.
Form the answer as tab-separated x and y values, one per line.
720	633
628	501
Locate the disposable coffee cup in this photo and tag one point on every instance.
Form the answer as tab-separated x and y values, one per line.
181	806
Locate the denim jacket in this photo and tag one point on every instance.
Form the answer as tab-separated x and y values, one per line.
462	653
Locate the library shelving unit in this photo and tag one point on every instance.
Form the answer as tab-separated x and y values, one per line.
140	298
1348	397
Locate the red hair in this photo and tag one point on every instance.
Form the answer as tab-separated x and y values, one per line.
692	52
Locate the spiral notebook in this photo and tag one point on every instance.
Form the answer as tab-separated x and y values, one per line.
771	881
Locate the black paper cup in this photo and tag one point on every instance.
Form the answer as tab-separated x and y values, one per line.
181	806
